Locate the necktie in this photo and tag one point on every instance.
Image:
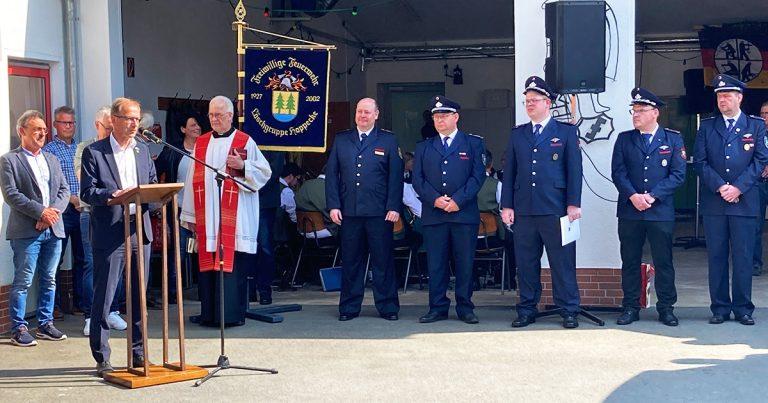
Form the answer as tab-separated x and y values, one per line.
731	124
647	137
363	136
536	130
445	143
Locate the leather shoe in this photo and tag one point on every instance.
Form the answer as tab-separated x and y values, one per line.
390	316
668	318
103	368
138	361
628	316
523	320
570	321
265	301
433	317
347	316
718	319
746	320
469	318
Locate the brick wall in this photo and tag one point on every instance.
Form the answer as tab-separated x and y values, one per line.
597	287
5	317
63	284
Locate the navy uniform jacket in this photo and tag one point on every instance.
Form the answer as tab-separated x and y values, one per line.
736	159
364	180
657	170
542	176
458	173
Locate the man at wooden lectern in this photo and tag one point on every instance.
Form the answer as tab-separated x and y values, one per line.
110	167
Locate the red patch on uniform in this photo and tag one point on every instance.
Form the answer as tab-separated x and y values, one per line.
683	154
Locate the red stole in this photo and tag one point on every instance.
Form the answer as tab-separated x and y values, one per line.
209	261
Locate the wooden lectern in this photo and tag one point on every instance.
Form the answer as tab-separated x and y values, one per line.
168	372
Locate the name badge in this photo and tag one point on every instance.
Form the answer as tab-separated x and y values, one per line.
463	156
378	151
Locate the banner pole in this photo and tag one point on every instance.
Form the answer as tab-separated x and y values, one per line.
239	26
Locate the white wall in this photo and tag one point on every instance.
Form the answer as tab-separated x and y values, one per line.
30	30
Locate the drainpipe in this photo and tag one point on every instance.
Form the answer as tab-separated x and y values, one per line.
69	11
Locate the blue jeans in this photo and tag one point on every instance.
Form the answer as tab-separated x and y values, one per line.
87	282
71	219
39	254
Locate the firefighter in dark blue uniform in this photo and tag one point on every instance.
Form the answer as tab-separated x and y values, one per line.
648	165
729	155
448	173
542	182
364	191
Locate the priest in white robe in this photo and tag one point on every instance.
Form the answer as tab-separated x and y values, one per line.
231	150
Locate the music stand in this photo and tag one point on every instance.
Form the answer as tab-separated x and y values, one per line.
168	372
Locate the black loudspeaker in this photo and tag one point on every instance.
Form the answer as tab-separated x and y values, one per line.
698	97
575	33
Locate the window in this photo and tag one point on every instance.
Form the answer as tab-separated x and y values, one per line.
29	87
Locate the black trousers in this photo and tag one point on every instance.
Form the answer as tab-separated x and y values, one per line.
632	236
108	268
531	235
360	235
734	236
442	242
263	271
235	292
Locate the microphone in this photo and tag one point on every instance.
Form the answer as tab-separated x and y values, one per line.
148	136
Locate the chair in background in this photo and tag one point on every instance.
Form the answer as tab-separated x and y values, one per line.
309	223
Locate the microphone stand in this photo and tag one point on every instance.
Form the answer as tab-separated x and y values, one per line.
223	362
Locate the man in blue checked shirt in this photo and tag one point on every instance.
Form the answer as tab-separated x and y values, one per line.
63	146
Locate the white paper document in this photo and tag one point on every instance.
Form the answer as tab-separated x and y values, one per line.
569	231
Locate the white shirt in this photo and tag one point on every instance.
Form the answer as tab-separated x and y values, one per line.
411	199
653	134
543	124
181	173
450	136
360	133
735	118
288	200
125	159
42	173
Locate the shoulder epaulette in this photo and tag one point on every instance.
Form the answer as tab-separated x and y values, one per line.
564	122
386	131
709	118
757	117
519	126
672	130
475	135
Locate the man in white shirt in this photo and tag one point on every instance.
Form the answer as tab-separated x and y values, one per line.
111	167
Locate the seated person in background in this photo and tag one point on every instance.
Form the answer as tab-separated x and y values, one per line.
488	202
311	197
410	197
289	179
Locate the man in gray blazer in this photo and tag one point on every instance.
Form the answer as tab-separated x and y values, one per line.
36	191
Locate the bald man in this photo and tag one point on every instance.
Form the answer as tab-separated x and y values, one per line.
364	192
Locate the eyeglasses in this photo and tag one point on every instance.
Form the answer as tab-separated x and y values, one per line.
37	131
633	112
441	116
217	116
64	122
533	101
128	118
107	128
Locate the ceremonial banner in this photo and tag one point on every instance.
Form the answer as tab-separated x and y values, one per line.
286	98
739	50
